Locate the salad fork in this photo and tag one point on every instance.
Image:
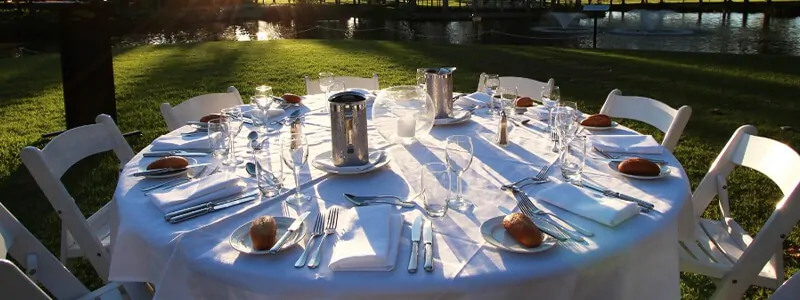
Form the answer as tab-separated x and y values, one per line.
330	228
318	227
540	177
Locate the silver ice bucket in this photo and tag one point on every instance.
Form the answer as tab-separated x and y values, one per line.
439	85
349	129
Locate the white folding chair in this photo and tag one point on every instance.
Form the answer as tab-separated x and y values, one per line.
789	290
197	107
526	87
721	249
79	236
312	85
40	267
667	119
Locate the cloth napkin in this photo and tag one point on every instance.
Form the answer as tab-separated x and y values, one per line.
641	144
179	142
610	212
370	240
538	112
473	99
214	186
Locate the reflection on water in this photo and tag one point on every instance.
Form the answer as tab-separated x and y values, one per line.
714	32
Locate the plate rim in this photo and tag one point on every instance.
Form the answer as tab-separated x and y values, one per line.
665	171
287	245
548	242
383	162
614	124
191	160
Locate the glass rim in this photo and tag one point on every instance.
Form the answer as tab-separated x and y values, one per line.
325	74
459	136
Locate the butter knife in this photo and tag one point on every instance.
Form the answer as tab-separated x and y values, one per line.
416	231
647	205
167	170
427	238
289	231
206	205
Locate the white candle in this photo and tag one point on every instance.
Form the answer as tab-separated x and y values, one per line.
405	125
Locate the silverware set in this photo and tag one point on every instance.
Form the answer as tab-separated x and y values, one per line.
623	155
184	214
330	228
644	205
381	199
425	229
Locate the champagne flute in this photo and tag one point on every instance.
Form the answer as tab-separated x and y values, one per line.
491	83
294	153
233	118
459	154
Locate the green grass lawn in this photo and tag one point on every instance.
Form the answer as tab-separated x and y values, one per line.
725	91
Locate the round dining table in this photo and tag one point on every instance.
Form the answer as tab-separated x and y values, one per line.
637	259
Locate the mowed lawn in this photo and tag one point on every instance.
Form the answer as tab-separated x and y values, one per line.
725	92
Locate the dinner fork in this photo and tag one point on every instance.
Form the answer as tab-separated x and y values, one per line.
330	228
554	138
536	210
540	177
318	227
525	206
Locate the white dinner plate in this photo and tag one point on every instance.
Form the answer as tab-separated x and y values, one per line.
495	234
458	118
170	174
377	159
240	238
664	171
613	125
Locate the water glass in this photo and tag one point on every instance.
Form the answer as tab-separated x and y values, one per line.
218	137
565	122
507	97
336	87
550	99
421	81
459	154
325	81
232	116
435	188
491	82
264	91
294	153
269	170
573	158
258	112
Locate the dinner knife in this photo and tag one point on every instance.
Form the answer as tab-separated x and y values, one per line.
292	228
416	231
607	192
427	238
170	153
213	208
167	170
655	161
207	204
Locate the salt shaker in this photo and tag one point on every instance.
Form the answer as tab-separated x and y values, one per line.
502	130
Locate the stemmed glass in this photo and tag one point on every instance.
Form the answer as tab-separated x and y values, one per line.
459	153
566	122
294	153
421	81
491	83
336	86
550	99
233	119
325	82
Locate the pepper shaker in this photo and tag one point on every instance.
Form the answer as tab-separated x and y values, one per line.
502	130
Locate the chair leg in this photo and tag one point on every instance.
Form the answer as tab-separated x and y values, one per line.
137	290
64	246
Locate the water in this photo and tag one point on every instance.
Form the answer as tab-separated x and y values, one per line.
708	32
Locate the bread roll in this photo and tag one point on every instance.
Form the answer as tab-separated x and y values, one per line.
523	230
639	166
291	98
175	162
523	102
597	120
210	117
262	232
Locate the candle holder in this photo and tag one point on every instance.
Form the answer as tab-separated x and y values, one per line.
403	114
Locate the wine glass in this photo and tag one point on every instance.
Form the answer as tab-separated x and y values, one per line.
269	169
459	153
491	83
325	81
566	122
421	81
550	99
336	87
232	116
294	153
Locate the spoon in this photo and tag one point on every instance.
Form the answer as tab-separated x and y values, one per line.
293	115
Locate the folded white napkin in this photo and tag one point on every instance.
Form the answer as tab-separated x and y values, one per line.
175	141
642	144
603	210
214	186
538	112
370	240
473	99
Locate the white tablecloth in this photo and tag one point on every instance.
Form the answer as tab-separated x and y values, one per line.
635	260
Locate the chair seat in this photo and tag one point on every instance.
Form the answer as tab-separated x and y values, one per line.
716	247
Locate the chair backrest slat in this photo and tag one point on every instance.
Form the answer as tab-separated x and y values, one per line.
670	121
774	159
350	82
527	87
195	108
